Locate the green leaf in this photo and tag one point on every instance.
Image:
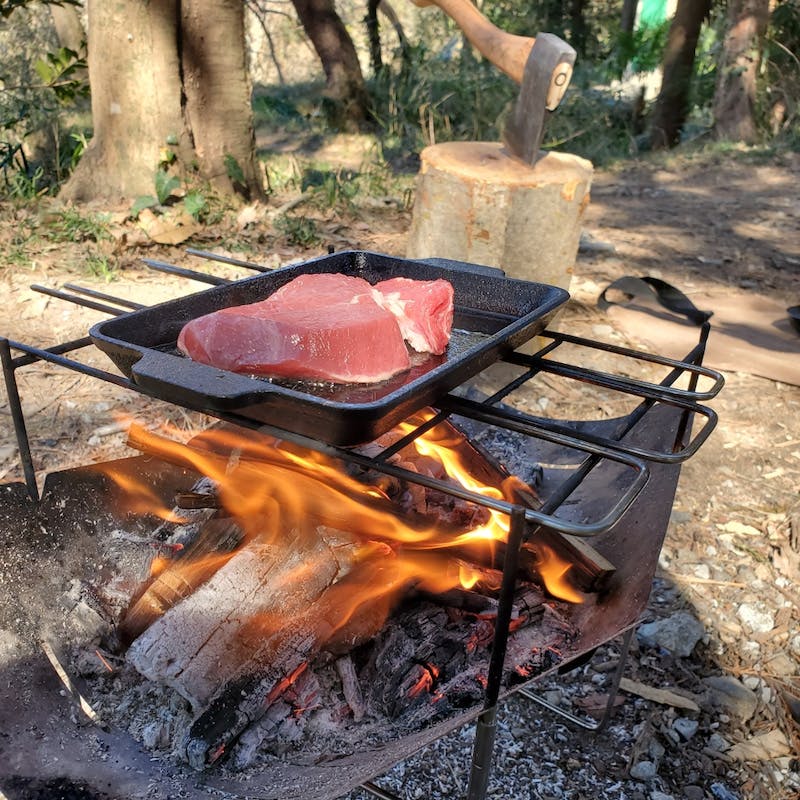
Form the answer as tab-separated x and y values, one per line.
195	203
166	184
141	203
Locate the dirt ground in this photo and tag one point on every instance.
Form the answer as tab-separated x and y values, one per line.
732	554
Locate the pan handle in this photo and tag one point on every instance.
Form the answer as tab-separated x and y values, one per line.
186	382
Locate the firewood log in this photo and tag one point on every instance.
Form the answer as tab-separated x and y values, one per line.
201	643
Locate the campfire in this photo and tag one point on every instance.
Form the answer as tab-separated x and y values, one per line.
287	593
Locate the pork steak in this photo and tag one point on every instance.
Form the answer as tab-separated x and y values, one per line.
424	311
317	327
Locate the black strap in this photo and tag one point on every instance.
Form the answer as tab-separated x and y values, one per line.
667	295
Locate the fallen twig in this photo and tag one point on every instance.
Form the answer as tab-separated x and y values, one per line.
79	699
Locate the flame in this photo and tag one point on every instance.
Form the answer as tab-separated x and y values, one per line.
428	674
468	576
553	570
285	683
140	498
273	490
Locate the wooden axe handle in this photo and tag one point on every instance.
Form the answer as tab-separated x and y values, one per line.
506	51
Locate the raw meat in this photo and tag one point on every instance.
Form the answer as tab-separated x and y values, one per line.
424	311
317	327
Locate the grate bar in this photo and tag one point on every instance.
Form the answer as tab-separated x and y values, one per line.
171	269
18	418
462	406
619	383
85	290
235	262
78	301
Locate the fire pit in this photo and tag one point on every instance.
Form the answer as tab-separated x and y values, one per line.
346	681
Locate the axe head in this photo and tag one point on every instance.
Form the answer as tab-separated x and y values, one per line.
548	72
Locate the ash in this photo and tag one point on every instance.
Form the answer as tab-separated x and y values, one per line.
313	722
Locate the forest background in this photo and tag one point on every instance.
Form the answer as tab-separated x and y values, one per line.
193	105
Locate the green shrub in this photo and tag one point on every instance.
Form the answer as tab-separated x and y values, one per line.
298	230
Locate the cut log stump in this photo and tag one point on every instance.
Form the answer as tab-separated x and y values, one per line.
475	202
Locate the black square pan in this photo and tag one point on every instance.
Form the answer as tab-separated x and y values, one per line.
494	314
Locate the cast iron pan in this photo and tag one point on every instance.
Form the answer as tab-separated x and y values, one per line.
494	314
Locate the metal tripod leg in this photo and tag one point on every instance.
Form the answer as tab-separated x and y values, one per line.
582	722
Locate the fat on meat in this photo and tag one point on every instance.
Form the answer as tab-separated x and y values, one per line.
324	327
424	311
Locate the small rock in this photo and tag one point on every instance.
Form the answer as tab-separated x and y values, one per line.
553	696
722	792
686	727
694	792
718	743
702	571
679	633
10	646
756	618
155	735
730	695
751	650
656	751
643	771
782	665
601	331
656	795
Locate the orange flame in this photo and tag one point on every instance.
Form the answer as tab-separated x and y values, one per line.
553	570
273	489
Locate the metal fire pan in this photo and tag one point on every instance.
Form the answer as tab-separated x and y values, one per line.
494	314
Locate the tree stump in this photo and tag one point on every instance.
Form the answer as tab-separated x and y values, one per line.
476	202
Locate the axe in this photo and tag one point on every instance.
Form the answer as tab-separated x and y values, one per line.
542	66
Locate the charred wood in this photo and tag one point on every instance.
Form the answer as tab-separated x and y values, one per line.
351	687
196	500
181	576
222	629
331	623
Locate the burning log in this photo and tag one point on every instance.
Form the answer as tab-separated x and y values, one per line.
389	589
344	616
176	579
200	644
424	662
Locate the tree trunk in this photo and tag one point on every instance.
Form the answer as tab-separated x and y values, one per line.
374	36
69	29
628	17
140	102
578	24
735	97
345	81
217	94
672	104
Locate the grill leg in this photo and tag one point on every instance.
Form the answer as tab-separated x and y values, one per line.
591	725
486	727
18	418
